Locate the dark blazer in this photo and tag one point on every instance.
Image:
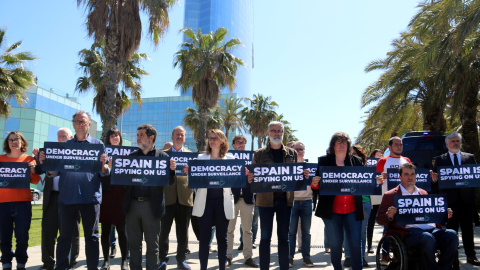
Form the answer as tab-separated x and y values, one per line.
47	190
455	196
157	200
247	195
382	217
325	202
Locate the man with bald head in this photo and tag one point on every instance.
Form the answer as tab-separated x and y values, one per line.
178	207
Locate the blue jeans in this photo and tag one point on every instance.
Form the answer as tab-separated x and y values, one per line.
352	227
428	241
282	211
254	226
367	208
14	216
90	214
301	210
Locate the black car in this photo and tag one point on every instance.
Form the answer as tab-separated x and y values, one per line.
422	146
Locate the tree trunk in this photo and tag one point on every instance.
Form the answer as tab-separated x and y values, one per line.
113	70
202	127
227	131
253	139
468	117
434	118
259	142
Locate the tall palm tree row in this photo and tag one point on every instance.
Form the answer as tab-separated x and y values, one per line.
207	67
260	112
93	66
231	114
119	24
15	78
433	72
192	120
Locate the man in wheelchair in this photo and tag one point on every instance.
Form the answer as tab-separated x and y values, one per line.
426	237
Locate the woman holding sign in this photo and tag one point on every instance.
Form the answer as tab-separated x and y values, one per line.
15	203
341	212
111	212
214	206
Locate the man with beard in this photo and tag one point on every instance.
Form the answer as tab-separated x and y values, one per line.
461	200
274	202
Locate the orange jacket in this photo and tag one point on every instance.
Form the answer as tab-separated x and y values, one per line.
16	194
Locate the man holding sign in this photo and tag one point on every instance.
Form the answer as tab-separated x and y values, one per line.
144	206
461	200
79	192
428	237
271	203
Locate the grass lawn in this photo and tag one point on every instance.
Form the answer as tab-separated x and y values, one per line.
35	232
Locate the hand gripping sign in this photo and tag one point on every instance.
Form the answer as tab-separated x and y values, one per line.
73	157
347	180
225	173
140	171
277	177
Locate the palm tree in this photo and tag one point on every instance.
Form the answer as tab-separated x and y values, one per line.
192	120
231	114
93	65
261	111
207	66
119	24
15	79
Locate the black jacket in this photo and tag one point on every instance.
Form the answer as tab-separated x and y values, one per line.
455	196
325	202
247	195
157	201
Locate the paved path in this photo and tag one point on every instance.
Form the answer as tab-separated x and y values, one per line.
318	255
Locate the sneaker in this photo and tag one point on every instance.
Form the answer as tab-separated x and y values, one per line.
290	262
229	262
347	262
385	260
307	262
365	263
183	265
162	266
254	246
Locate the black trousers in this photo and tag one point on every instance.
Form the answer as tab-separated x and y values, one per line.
181	214
371	225
50	228
463	218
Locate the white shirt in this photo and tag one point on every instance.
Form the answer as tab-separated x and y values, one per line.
173	149
452	157
426	226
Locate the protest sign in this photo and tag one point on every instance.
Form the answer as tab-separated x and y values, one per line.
140	171
14	175
181	158
224	173
118	150
424	180
462	176
420	209
72	157
312	169
347	180
372	162
277	177
247	156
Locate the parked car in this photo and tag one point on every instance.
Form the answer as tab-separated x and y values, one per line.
36	194
422	146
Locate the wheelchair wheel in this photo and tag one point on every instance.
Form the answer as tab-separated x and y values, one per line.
397	254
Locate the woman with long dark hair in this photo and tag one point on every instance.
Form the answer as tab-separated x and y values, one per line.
111	213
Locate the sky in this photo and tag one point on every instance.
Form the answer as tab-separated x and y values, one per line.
309	57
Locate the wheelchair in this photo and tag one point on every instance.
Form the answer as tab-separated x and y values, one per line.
402	256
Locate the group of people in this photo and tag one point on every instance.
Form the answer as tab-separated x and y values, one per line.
141	213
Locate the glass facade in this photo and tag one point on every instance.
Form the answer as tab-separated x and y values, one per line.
164	113
237	17
40	117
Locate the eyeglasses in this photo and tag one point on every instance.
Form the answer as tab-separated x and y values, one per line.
341	142
240	142
212	139
80	123
279	131
299	149
13	140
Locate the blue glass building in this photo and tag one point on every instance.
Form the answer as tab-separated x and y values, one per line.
164	113
237	17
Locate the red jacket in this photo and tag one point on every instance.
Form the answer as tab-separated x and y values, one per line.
382	217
